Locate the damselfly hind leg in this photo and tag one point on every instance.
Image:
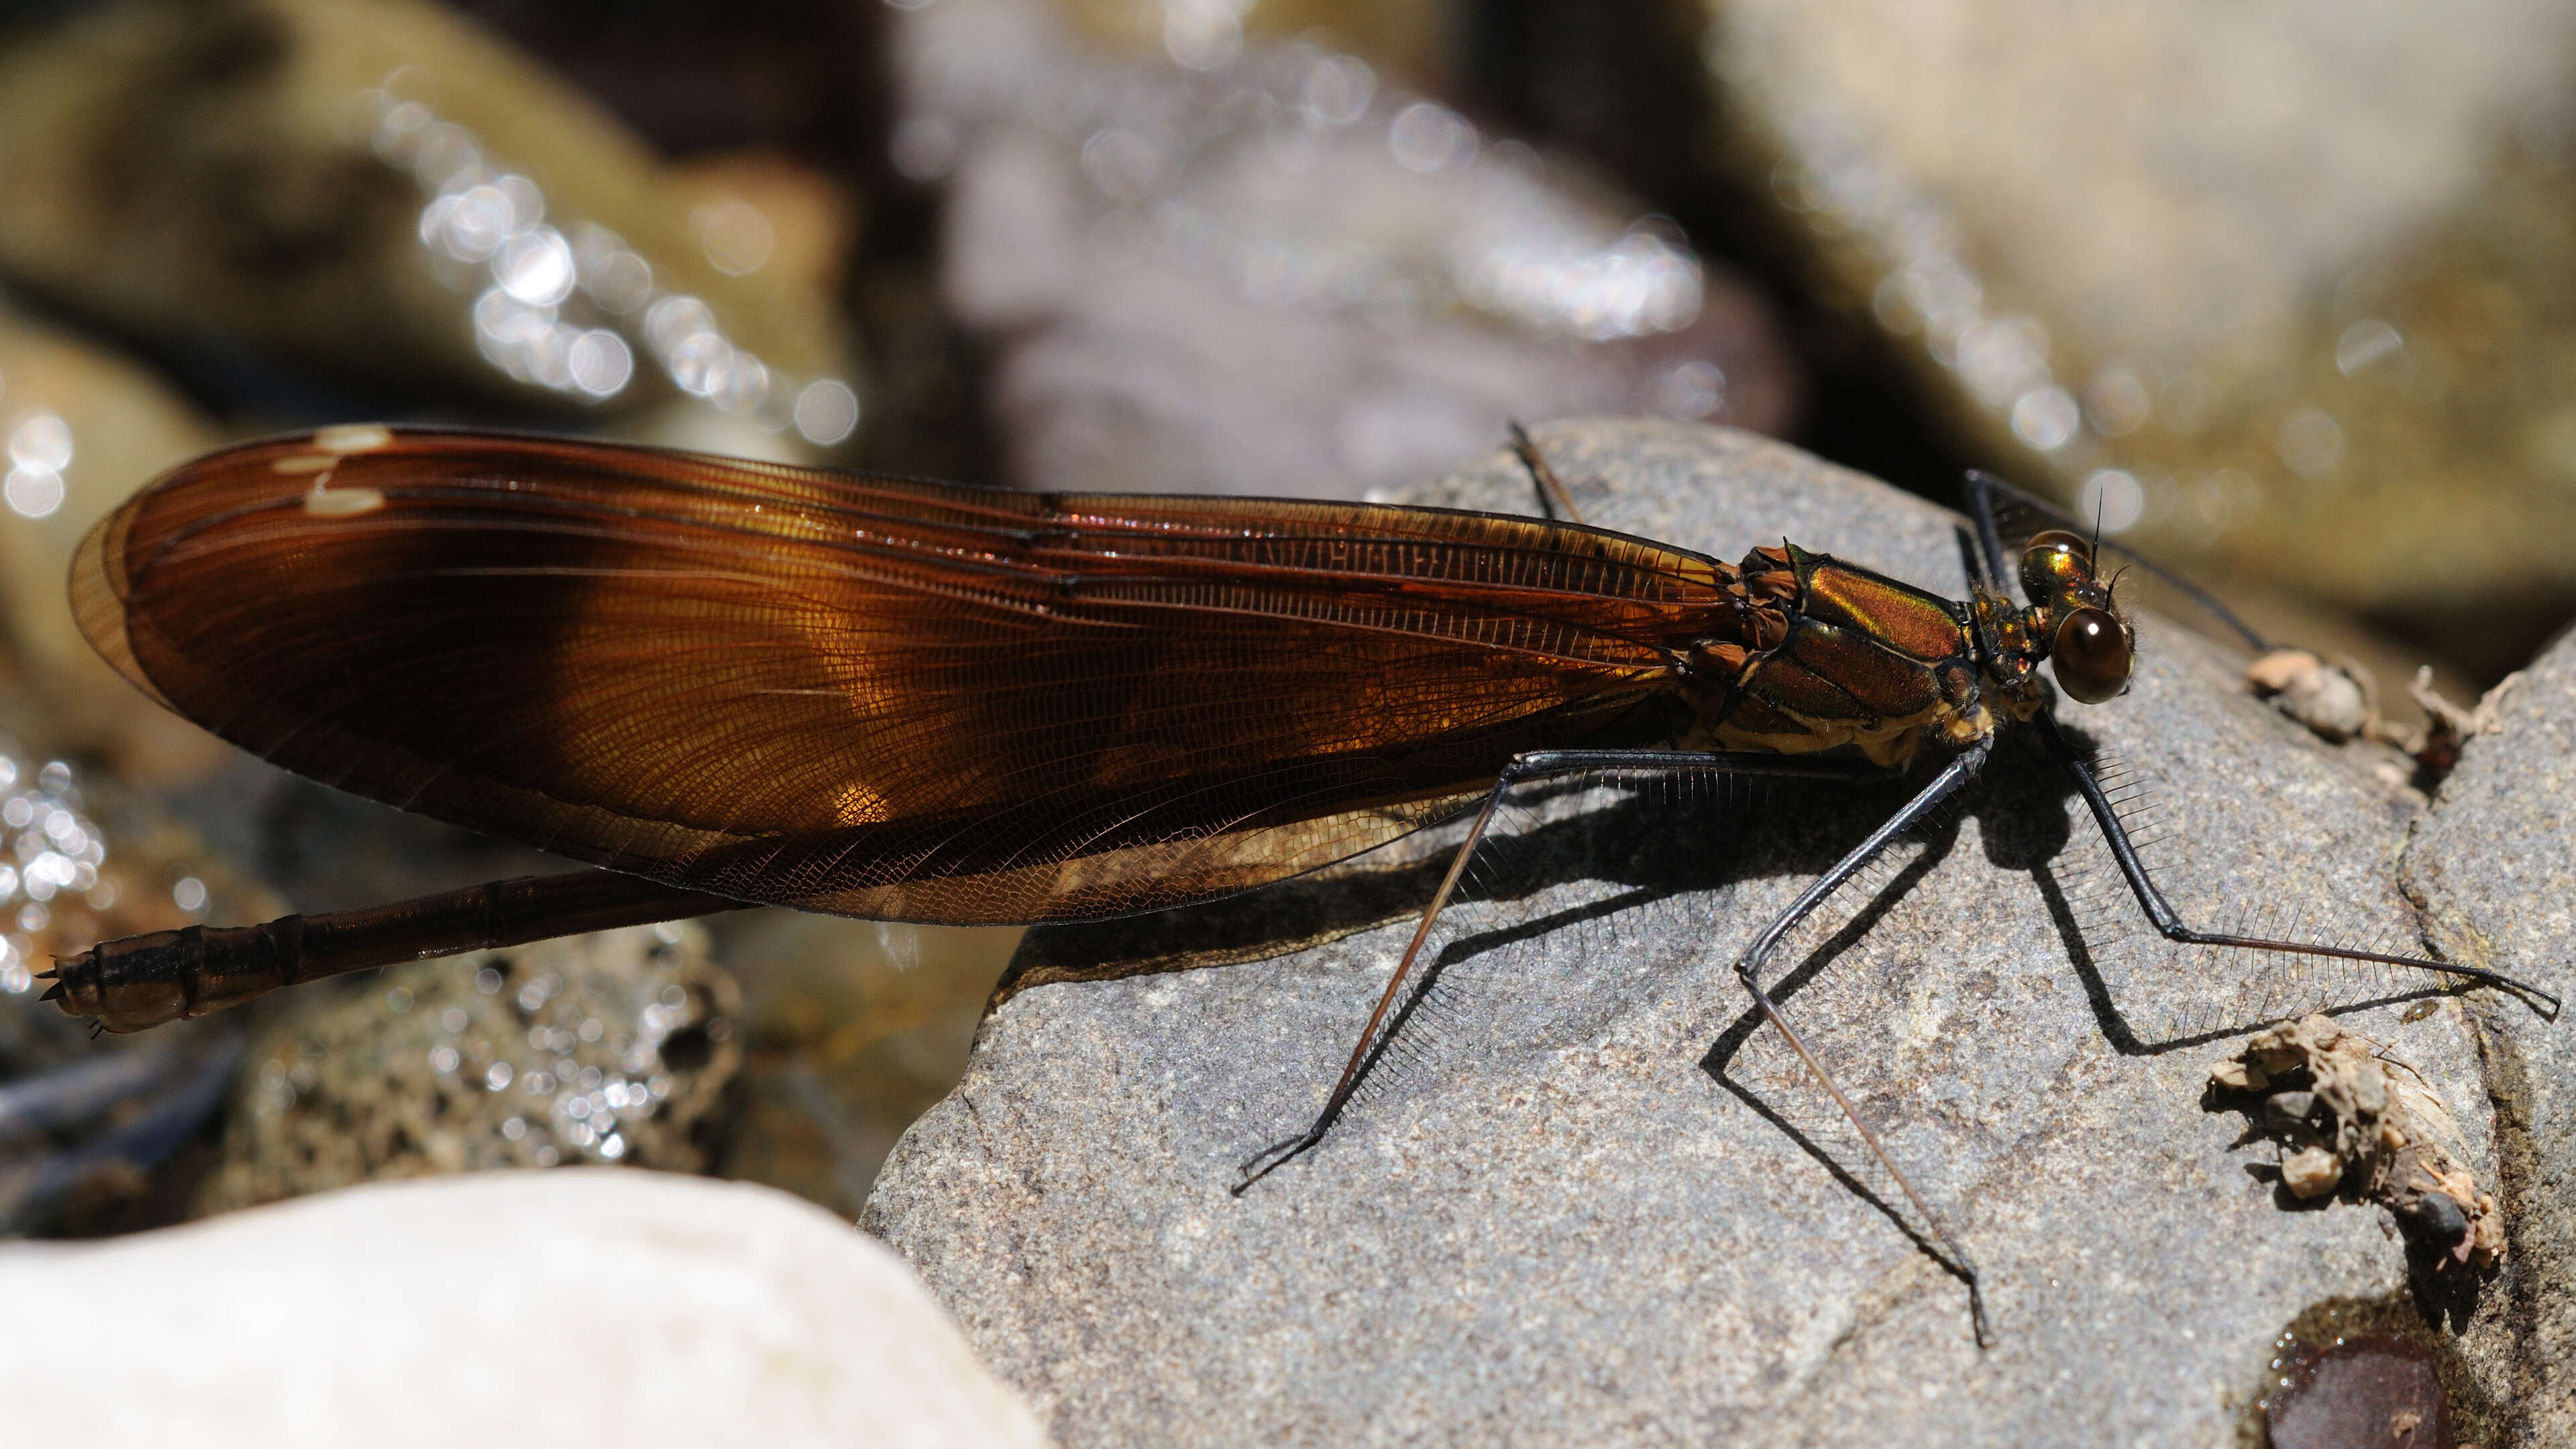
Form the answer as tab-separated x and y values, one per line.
1537	766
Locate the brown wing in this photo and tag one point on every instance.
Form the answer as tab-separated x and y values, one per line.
870	696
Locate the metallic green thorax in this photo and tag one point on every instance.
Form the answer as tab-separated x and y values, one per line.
1829	654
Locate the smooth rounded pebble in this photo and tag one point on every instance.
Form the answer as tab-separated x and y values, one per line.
580	1306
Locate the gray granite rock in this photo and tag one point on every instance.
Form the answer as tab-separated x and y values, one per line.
2495	863
1589	1203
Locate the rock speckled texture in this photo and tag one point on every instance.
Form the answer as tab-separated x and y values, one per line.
1589	1203
614	1046
2495	861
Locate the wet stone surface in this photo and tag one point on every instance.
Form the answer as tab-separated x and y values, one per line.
2361	1390
2495	861
238	171
610	1047
2294	278
1589	1202
1257	281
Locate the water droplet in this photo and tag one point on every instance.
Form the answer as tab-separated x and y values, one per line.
1428	137
535	267
2111	499
1694	389
2310	443
827	411
2045	418
33	492
42	442
600	363
736	236
2365	342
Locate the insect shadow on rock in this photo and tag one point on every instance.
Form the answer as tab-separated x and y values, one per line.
733	683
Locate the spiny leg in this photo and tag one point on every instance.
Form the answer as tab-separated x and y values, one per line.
1535	766
1748	968
2169	922
1553	499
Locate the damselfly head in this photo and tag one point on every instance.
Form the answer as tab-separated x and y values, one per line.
2090	646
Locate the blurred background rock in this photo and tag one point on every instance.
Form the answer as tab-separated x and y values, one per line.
2286	296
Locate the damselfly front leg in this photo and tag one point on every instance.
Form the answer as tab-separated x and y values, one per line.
1990	500
2169	922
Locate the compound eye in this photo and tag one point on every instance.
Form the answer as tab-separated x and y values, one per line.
2054	564
2057	538
2090	656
